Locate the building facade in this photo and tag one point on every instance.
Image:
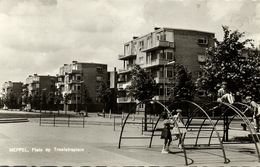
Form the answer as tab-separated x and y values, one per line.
158	52
40	92
11	94
78	83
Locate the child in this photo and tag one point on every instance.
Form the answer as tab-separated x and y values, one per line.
179	128
256	109
166	133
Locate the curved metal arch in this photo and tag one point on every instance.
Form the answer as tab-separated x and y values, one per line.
187	125
213	128
247	122
244	112
143	102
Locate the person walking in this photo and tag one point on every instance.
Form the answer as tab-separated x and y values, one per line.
166	133
256	111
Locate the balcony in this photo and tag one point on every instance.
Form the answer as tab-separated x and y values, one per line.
59	84
73	92
158	45
160	98
128	69
74	81
125	100
121	80
127	56
159	79
155	62
74	72
123	85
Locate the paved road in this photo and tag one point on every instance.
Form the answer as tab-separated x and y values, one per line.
97	145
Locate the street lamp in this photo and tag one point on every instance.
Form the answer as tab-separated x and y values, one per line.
164	84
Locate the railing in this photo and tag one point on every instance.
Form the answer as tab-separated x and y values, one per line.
158	44
155	62
125	99
150	122
58	121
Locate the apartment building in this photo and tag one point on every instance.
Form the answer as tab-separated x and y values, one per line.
37	84
158	52
41	91
112	83
11	94
79	82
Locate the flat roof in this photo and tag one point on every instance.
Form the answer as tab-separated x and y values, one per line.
167	28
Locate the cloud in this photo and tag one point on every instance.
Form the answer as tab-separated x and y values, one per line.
39	36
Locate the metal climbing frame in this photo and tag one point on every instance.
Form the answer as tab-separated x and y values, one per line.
199	129
206	125
143	137
225	108
126	118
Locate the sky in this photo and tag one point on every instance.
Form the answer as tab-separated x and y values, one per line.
39	36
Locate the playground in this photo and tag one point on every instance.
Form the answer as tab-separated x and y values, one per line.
218	134
214	126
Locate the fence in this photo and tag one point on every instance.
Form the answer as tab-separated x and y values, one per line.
150	123
65	121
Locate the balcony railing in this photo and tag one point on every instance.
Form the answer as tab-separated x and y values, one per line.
159	44
124	85
159	79
121	80
125	100
73	91
160	98
128	69
155	63
74	72
72	81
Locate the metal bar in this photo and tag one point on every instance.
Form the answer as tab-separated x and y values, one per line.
54	120
83	122
220	142
40	119
114	123
142	126
136	137
198	134
69	121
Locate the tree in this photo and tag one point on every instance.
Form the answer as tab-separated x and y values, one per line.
58	98
104	93
66	99
183	87
142	88
227	62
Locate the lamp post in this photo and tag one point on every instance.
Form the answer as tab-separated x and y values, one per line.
164	83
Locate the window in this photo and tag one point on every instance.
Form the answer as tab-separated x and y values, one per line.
161	90
158	37
141	60
78	78
161	72
169	72
162	56
99	69
141	44
169	56
79	87
99	78
203	41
